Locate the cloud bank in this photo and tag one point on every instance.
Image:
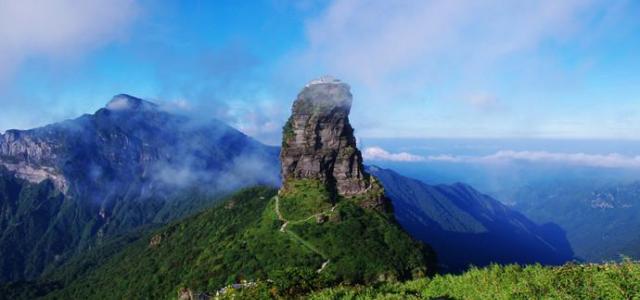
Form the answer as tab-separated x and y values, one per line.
611	160
58	28
437	67
377	153
411	42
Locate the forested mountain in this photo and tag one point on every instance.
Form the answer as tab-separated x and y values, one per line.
466	227
67	186
601	219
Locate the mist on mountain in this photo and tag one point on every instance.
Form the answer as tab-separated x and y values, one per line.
128	165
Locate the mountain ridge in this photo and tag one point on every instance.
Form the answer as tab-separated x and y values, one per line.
466	227
600	217
127	165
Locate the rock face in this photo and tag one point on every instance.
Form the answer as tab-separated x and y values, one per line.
124	166
318	141
127	140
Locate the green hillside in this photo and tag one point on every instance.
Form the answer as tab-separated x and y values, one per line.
245	238
40	226
571	281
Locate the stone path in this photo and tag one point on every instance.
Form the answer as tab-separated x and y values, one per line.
305	243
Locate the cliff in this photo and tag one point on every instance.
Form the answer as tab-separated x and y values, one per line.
319	144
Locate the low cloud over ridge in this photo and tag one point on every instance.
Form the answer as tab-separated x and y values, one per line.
611	160
377	153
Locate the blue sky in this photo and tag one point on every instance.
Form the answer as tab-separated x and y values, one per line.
418	69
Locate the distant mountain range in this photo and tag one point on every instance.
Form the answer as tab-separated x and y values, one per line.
601	219
466	227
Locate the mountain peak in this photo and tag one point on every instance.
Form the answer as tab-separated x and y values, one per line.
123	102
319	144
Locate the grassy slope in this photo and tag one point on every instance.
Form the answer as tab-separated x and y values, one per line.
362	246
241	240
606	281
198	252
304	198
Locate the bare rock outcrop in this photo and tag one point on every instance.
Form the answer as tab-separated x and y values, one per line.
319	143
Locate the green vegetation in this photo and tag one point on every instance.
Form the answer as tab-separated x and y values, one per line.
365	246
219	246
243	238
586	209
42	228
302	198
287	131
80	265
571	281
607	281
375	192
350	253
28	243
27	289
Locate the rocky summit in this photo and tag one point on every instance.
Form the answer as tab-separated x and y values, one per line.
319	144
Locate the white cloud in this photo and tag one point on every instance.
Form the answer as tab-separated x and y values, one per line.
407	44
445	158
377	153
58	28
611	160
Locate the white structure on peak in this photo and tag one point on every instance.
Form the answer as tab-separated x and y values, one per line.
323	79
